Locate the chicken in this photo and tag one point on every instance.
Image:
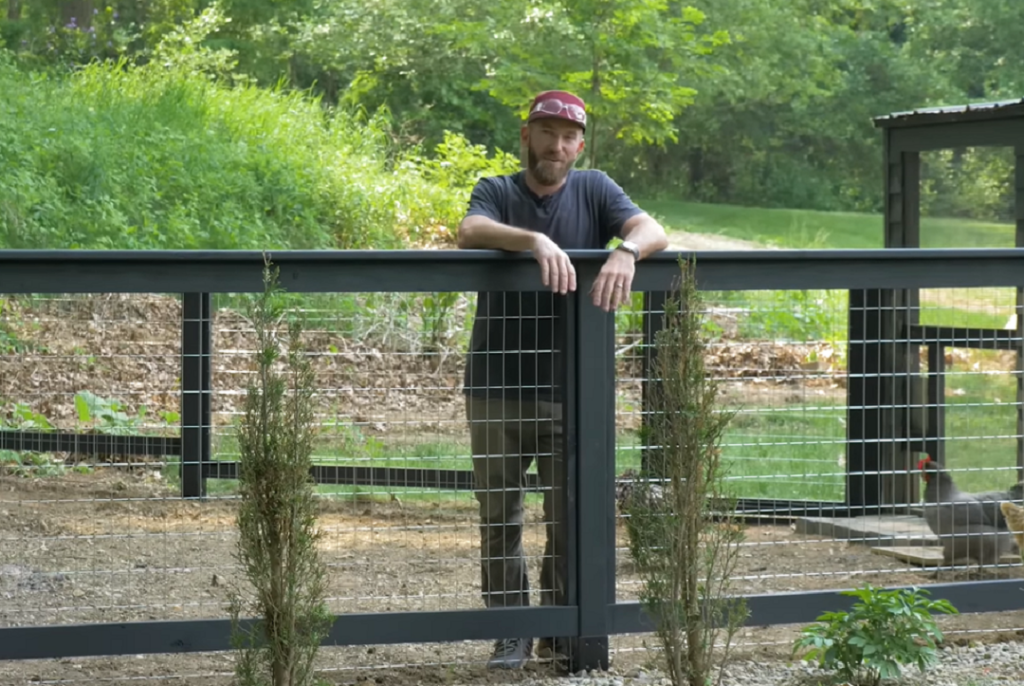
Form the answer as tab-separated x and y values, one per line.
631	487
1014	515
969	525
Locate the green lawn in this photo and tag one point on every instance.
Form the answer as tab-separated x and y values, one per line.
813	229
773	452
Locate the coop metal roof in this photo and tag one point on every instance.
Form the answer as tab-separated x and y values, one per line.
1003	109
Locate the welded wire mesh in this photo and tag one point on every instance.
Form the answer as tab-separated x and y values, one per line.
405	472
835	403
97	537
75	545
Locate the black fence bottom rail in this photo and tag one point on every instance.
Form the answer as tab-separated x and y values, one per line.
381	628
89	444
95	445
385	477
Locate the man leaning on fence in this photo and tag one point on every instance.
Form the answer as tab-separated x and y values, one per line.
513	403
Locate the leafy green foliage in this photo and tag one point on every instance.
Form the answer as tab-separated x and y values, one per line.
749	102
111	416
625	58
30	465
884	631
161	157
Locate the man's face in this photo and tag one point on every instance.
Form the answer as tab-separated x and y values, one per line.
552	146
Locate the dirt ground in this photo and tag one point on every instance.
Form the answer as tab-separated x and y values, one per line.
116	545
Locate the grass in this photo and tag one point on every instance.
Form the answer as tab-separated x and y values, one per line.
161	157
783	451
814	229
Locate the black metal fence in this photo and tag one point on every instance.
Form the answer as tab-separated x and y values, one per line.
890	416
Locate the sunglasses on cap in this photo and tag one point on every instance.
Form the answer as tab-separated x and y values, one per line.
555	107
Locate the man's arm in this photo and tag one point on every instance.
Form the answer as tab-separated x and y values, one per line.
622	218
482	229
479	231
648	234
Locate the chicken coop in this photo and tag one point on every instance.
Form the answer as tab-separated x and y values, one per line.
895	411
896	394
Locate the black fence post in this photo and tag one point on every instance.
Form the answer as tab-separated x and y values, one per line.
595	474
196	386
935	400
877	403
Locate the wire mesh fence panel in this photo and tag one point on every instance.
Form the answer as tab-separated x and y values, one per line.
434	499
396	437
101	538
779	360
825	503
89	389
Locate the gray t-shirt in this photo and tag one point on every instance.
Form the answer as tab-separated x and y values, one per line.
513	352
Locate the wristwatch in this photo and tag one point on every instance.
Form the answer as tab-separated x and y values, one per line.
630	246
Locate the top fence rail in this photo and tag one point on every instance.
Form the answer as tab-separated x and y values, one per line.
100	271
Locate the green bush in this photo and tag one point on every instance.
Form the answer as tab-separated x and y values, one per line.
884	631
161	157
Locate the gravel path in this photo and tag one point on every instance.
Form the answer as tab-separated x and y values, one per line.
974	665
684	240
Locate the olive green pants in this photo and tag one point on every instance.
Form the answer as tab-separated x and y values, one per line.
506	436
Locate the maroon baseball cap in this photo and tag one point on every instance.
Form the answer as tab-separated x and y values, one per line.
559	105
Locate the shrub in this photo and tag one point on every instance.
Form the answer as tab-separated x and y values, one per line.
277	544
682	536
883	631
163	156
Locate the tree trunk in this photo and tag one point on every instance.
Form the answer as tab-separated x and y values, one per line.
13	10
78	10
696	170
595	95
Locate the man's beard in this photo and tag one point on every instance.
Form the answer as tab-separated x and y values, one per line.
547	172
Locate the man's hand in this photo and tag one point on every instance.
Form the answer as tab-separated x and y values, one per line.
556	269
612	285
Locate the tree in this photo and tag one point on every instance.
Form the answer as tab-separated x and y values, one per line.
626	59
683	532
277	544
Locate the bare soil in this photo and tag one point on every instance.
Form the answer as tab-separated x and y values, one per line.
115	544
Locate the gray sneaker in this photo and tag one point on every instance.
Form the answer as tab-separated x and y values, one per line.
510	653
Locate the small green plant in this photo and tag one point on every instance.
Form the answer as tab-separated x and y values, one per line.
11	342
29	465
24	418
107	415
277	544
795	315
110	416
884	631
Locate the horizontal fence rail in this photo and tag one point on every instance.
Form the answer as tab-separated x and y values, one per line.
97	271
890	409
